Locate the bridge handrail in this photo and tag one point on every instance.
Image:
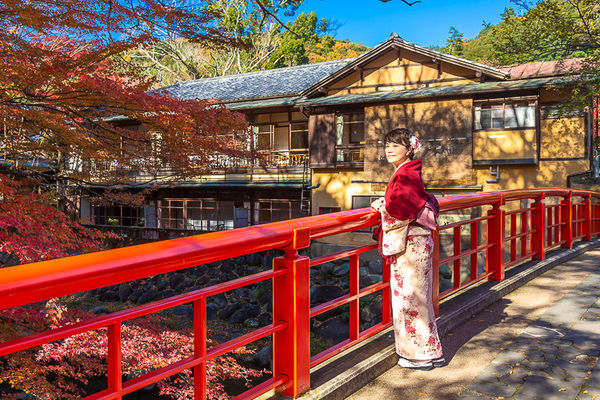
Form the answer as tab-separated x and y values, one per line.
545	226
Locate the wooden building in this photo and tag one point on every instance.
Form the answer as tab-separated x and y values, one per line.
322	126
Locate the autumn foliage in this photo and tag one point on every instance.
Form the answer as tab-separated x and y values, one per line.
60	370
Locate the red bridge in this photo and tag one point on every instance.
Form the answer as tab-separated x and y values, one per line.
521	225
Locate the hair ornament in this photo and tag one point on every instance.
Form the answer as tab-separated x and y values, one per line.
415	144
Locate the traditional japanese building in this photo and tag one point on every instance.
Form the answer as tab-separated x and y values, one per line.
321	126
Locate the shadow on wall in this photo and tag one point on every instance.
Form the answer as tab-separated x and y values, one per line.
444	128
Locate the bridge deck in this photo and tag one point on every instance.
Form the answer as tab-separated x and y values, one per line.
540	341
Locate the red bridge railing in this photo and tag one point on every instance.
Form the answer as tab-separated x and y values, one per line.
518	225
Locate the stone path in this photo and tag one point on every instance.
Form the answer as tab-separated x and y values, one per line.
554	358
542	340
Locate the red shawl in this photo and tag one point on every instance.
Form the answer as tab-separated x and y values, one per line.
405	195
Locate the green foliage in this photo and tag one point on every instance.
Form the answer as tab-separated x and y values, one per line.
455	44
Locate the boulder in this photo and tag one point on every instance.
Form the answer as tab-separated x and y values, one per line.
374	266
226	311
176	279
124	292
334	330
264	357
211	311
342	270
109	295
321	294
370	279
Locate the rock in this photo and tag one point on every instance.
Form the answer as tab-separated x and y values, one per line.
124	293
252	311
167	293
363	271
445	272
101	310
201	281
226	311
251	323
241	270
213	282
227	266
327	268
211	311
90	294
109	295
184	310
176	279
334	330
219	299
265	318
268	260
148	295
239	260
237	317
186	283
264	357
254	259
162	284
374	267
321	294
136	295
342	270
265	297
230	276
370	279
366	314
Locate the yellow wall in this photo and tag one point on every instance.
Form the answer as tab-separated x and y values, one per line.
396	77
562	138
501	145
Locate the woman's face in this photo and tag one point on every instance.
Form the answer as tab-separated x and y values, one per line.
396	153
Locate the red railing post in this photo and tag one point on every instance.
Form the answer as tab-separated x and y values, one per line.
200	336
386	295
115	383
435	292
586	210
495	239
538	228
291	304
354	288
566	219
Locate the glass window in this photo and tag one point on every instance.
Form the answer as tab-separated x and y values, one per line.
516	115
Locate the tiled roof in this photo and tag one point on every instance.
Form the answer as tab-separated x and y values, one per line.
271	83
543	68
438	91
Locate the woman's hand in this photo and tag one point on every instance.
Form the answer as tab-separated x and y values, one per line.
378	204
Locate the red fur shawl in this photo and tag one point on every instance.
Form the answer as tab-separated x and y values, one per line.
405	195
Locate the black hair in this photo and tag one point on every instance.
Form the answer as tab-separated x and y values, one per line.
400	136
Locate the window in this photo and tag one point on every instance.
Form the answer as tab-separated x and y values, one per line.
516	115
196	214
350	128
277	210
118	215
284	135
350	132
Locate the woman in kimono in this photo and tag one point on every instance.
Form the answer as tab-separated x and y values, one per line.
408	215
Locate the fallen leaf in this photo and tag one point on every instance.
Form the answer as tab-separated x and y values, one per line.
562	389
585	391
422	394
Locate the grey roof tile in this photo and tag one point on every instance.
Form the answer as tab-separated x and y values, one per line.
278	82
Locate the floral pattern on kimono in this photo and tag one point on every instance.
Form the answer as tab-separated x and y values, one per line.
415	329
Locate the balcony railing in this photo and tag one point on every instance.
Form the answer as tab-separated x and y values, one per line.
519	225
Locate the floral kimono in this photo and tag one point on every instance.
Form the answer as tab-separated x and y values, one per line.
408	214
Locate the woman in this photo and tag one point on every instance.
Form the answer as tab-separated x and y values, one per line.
408	216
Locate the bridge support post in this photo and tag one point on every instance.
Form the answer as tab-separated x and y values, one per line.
566	219
495	239
291	303
538	226
587	217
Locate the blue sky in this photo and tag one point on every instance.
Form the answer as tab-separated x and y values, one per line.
427	23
